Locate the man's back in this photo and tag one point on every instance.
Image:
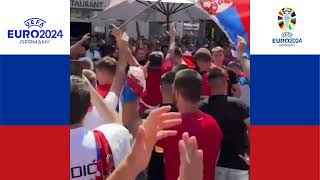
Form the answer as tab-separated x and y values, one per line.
83	149
82	153
230	113
208	135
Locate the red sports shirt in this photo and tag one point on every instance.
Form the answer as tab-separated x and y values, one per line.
209	136
167	65
103	89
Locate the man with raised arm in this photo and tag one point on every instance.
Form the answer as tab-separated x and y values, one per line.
93	153
175	56
78	50
98	115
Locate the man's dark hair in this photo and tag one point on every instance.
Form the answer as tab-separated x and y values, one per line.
155	59
79	99
107	64
168	78
189	84
86	63
107	50
164	47
180	67
202	54
75	68
216	78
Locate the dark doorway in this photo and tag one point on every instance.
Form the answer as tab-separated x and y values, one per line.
78	29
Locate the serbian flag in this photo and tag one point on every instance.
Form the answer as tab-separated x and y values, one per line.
232	16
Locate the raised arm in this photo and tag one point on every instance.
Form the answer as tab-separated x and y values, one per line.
245	62
106	109
172	42
75	47
130	116
124	45
120	76
108	114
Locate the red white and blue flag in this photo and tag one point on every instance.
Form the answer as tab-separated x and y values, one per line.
233	16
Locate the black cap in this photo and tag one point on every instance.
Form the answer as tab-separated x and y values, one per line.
155	59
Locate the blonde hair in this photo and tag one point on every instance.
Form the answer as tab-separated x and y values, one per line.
217	49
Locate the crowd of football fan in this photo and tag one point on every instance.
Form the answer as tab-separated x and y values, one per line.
143	109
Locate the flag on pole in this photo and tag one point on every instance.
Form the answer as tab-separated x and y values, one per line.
233	16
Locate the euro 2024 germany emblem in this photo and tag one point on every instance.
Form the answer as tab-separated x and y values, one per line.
287	20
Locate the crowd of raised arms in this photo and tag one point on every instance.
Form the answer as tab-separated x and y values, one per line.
149	110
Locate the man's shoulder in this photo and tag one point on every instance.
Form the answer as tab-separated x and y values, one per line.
114	131
112	127
212	124
234	100
239	104
167	65
208	118
119	140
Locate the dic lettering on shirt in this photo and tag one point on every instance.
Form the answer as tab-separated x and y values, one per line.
84	170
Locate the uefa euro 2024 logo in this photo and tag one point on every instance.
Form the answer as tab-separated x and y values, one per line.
35	34
287	22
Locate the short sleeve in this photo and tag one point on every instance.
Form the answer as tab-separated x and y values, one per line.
128	95
245	94
167	65
244	109
112	100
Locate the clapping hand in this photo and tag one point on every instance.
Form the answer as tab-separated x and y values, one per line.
152	130
191	159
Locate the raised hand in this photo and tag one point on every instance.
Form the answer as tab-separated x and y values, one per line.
191	159
145	69
124	41
172	32
87	82
77	47
86	37
241	45
152	130
117	32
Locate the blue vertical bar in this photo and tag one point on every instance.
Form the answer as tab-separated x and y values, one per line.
285	90
319	95
1	87
35	90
